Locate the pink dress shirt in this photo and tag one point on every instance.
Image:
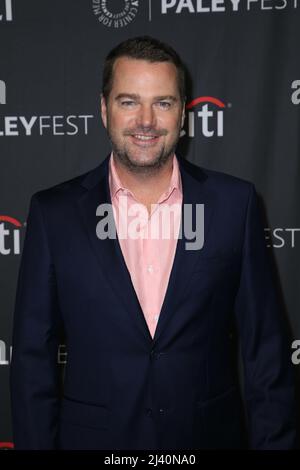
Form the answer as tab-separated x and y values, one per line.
148	243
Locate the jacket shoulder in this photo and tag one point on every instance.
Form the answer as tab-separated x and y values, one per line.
67	190
226	181
217	180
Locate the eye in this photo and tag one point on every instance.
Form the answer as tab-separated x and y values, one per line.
127	103
164	104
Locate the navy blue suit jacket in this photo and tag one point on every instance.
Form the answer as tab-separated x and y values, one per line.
123	389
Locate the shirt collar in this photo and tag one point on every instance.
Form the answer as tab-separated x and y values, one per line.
116	185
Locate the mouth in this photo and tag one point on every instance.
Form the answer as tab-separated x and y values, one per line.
144	140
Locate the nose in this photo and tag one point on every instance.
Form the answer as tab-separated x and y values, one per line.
146	116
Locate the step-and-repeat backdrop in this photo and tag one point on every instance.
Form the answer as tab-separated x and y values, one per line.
242	115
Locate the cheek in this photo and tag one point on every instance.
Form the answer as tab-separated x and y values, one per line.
173	121
120	122
174	125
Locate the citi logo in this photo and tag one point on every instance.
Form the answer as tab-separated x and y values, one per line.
9	235
295	98
6	445
207	113
2	92
6	10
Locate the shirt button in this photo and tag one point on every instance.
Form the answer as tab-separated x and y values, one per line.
150	268
156	317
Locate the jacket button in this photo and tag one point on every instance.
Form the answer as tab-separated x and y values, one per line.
149	411
155	355
161	410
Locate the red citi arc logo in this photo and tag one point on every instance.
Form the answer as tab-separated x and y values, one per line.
211	117
9	235
6	445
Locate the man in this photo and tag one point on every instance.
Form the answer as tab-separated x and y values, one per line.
148	321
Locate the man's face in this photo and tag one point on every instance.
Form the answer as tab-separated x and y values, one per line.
144	113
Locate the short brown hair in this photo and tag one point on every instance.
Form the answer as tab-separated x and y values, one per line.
143	48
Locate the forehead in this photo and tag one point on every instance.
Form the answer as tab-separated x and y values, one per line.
137	76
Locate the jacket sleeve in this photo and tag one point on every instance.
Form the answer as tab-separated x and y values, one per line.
34	374
268	372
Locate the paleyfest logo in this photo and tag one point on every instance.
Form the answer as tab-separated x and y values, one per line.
6	13
2	92
56	125
5	353
116	14
223	6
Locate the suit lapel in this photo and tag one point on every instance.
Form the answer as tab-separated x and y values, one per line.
109	253
194	192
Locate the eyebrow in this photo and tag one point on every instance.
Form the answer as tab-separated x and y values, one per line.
136	97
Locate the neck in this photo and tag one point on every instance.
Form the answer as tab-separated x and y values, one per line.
146	185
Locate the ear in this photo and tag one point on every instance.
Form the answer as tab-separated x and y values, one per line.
103	111
183	114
